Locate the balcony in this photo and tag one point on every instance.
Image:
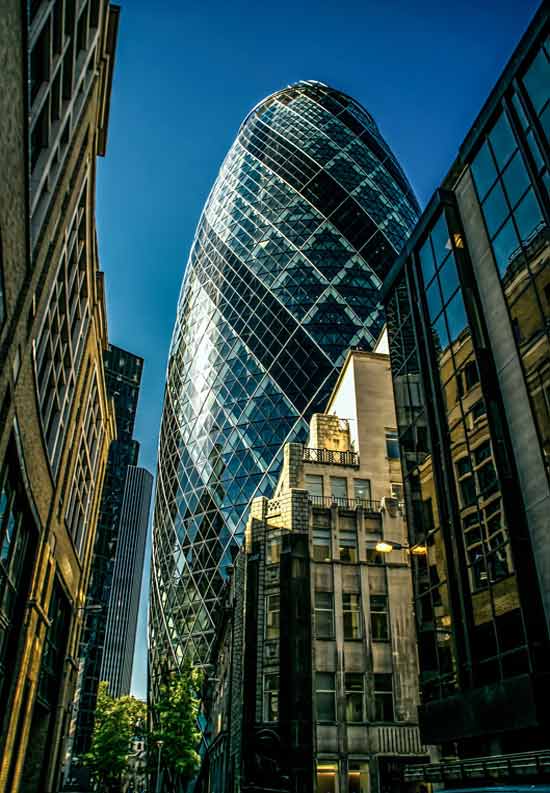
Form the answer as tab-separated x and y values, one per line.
344	503
331	457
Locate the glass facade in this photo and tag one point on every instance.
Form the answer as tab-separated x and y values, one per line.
302	224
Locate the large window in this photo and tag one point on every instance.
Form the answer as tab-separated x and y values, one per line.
379	617
392	445
338	488
321	536
325	696
354	689
324	615
351	608
348	539
383	697
272	609
271	697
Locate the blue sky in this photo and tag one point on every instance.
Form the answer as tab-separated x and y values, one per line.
187	73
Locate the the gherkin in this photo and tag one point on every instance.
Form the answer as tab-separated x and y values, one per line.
302	224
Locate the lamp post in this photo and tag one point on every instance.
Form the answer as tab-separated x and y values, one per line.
160	745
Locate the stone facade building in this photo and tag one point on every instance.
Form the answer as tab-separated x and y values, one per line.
315	677
56	422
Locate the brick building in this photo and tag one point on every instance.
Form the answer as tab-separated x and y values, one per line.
56	422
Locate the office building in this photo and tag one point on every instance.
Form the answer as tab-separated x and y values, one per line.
314	672
302	224
123	371
468	311
56	421
120	633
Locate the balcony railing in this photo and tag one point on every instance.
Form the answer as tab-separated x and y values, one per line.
344	503
331	457
523	764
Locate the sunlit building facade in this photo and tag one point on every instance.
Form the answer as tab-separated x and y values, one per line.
468	310
303	222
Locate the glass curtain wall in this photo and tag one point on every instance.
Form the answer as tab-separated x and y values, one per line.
303	222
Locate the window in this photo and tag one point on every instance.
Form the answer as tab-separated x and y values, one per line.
352	616
273	551
272	607
355	696
271	697
314	484
348	544
361	490
358	776
324	615
392	445
321	542
327	773
383	697
375	557
325	696
338	488
379	617
396	491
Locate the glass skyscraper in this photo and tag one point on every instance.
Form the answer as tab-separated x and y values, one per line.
303	222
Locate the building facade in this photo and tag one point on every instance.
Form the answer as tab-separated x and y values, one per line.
302	224
315	677
120	633
123	371
468	311
56	421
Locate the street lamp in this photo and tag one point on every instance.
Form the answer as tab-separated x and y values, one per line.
160	745
385	546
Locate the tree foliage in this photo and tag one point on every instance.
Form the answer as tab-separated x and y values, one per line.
116	721
175	717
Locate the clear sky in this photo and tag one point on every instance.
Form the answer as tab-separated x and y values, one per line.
187	73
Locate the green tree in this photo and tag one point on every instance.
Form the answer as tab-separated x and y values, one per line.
116	721
175	717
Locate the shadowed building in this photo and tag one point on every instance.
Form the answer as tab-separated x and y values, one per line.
468	311
314	672
56	421
300	228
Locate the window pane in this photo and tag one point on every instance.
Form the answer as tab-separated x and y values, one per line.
339	487
503	141
392	445
495	209
484	171
528	216
456	317
427	262
358	777
326	777
505	246
433	298
314	484
361	489
440	240
537	81
448	278
516	179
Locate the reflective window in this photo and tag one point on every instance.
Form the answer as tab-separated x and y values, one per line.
362	490
392	445
338	488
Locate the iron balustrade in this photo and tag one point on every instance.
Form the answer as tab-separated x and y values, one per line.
344	503
331	457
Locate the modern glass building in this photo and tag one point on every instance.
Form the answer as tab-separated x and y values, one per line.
303	222
468	311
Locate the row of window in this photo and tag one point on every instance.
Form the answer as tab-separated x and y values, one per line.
314	483
327	774
325	697
324	616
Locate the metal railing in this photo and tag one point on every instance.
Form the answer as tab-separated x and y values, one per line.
331	457
344	503
507	765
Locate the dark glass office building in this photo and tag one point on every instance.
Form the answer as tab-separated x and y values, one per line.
468	311
300	228
123	378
